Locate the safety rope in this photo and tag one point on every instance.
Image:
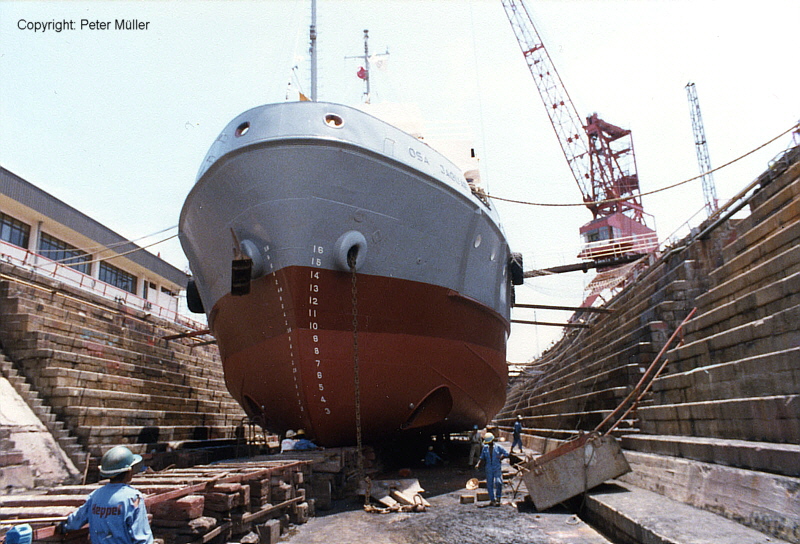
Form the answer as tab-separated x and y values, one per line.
352	258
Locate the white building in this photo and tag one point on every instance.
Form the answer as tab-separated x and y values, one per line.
42	233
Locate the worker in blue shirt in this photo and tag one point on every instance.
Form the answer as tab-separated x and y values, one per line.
116	513
517	434
303	443
492	456
432	458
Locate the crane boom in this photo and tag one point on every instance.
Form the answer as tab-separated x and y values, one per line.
563	115
599	154
701	148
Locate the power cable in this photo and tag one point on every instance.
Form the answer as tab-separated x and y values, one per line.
118	254
75	259
621	199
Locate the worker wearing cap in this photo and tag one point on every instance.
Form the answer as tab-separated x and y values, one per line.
116	513
492	456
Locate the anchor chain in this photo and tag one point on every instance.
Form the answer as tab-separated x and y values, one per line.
352	256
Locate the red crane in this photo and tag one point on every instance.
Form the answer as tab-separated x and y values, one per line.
599	154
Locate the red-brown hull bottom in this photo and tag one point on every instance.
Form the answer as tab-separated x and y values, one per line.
427	358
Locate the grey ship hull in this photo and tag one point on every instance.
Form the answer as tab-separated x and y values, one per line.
298	186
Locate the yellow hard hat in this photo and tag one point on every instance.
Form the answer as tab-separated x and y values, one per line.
488	438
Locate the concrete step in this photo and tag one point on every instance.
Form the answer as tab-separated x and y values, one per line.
592	400
772	334
775	372
772	198
762	456
769	503
778	221
102	437
754	305
221	403
31	342
123	331
81	416
630	515
74	384
773	418
735	284
65	369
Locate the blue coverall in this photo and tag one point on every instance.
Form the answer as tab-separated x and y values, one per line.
492	455
116	514
517	435
304	444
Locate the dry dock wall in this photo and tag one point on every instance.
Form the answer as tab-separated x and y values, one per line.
98	373
720	429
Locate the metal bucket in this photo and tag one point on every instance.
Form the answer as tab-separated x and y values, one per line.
573	468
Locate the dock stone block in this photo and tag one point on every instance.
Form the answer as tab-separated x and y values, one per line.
189	507
269	532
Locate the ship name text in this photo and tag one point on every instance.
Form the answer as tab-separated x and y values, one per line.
444	170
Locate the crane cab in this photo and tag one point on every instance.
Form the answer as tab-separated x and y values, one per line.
614	236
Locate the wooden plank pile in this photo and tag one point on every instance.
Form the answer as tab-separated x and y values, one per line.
248	503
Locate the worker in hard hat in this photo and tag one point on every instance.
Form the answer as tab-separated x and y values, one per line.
287	444
474	445
517	433
492	456
303	442
116	513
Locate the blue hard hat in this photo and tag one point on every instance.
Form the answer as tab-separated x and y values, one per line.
20	534
117	460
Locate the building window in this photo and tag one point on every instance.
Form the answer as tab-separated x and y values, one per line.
57	250
14	231
117	277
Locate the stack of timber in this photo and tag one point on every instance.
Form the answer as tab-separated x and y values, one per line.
252	502
721	426
99	373
334	473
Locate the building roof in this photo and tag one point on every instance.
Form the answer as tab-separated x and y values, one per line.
31	196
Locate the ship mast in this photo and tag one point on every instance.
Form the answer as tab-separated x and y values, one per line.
363	71
366	65
313	50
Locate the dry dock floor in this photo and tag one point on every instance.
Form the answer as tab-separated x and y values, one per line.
626	514
447	521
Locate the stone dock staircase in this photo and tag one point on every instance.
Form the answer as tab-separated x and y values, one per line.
98	373
720	429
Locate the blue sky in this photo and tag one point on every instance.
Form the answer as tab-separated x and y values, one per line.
116	123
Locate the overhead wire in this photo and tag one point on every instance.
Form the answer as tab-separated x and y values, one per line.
140	248
75	259
92	249
668	187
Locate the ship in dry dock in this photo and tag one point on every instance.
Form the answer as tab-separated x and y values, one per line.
343	262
